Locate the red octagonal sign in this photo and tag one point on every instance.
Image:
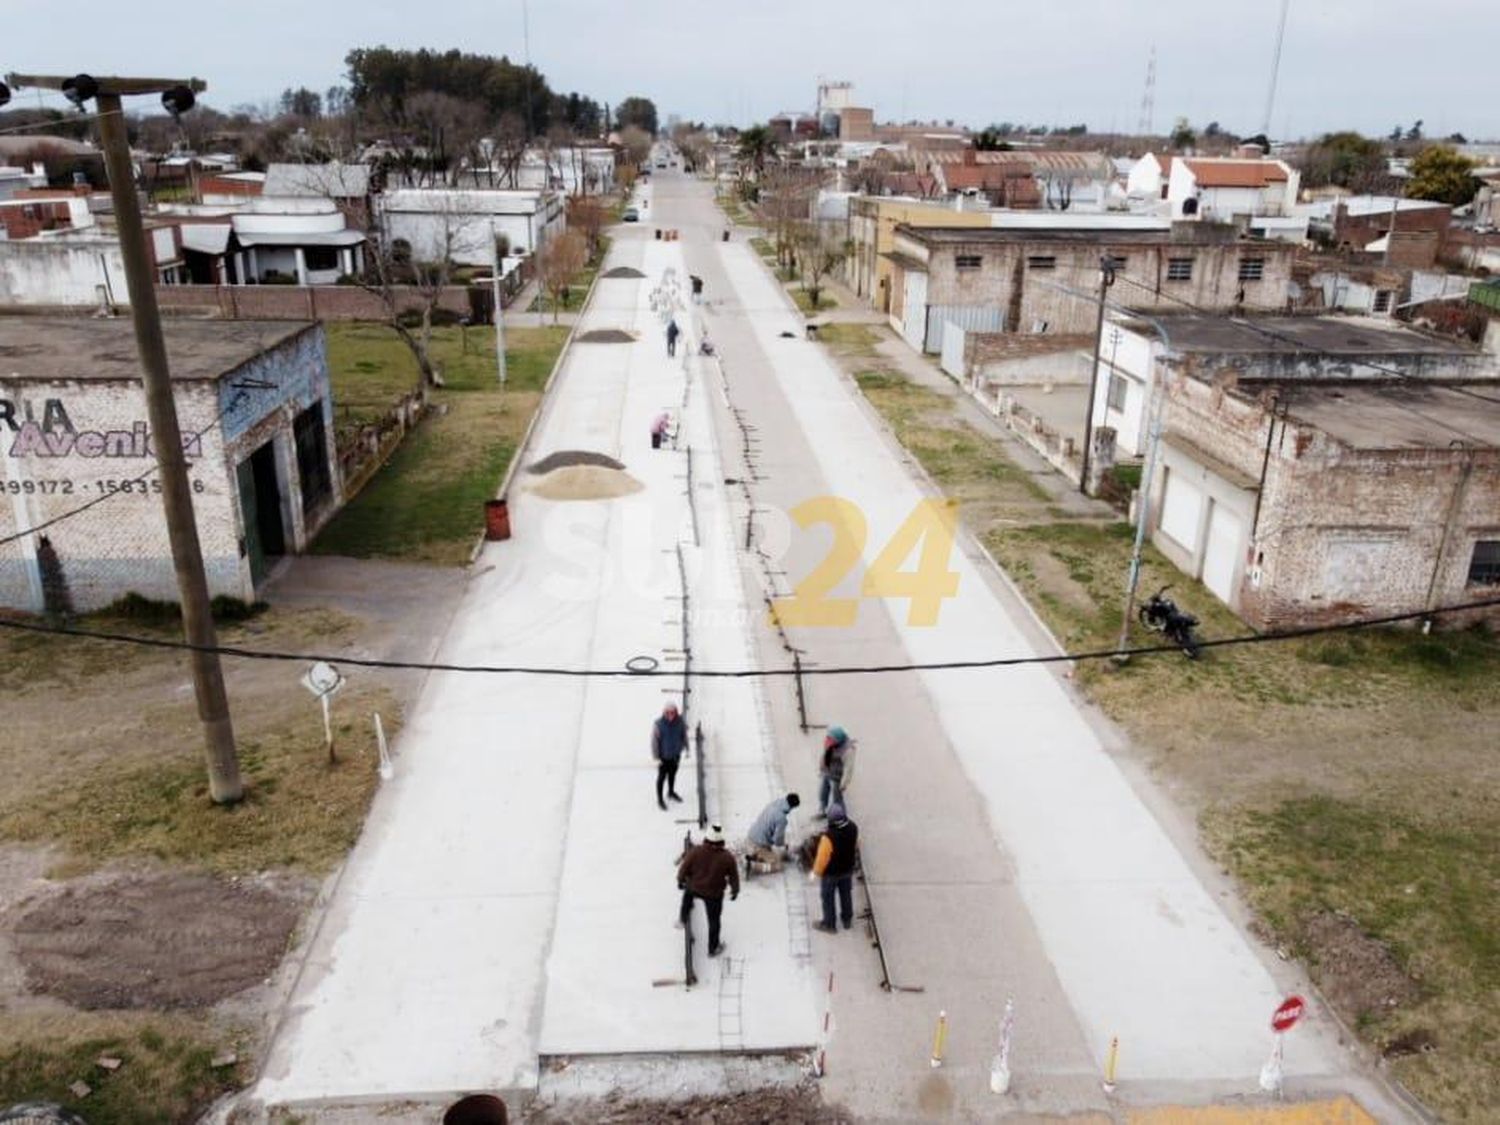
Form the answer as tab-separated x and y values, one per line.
1288	1013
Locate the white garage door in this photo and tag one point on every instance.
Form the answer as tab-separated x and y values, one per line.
1221	557
1180	509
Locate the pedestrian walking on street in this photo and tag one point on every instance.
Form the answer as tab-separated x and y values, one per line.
835	768
668	740
672	333
838	855
697	288
704	873
766	843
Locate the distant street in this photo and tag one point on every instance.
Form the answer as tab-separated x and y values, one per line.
511	899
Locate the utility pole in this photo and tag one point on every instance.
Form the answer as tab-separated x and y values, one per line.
225	785
499	308
1143	515
1106	279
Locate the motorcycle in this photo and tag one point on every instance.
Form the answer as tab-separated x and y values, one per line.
1160	614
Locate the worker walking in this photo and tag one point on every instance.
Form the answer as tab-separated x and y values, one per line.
668	740
704	873
838	855
766	844
672	333
835	768
697	288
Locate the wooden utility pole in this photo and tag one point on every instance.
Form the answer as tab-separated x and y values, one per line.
224	783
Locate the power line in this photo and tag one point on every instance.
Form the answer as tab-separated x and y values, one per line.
54	123
739	673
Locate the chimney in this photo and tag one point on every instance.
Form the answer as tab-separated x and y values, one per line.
971	158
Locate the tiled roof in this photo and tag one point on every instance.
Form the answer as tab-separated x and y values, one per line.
1237	173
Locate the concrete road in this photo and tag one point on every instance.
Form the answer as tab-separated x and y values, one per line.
1011	853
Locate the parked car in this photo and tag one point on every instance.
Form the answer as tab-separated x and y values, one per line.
630	215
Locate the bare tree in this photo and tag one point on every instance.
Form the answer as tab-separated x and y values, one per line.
558	263
822	252
1058	188
509	150
786	199
586	214
637	144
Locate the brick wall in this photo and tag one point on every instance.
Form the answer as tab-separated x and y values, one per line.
1013	276
1343	534
308	302
120	544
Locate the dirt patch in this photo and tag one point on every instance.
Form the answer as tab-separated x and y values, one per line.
153	941
564	458
1358	974
801	1105
623	271
607	336
586	482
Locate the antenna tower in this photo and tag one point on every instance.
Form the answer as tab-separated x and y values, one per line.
1275	69
1148	99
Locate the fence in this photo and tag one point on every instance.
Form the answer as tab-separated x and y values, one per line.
363	451
334	302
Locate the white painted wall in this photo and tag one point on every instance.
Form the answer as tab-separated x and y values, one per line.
1131	355
54	271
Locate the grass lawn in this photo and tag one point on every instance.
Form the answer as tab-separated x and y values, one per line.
578	288
763	247
1348	781
805	303
427	503
166	1072
120	789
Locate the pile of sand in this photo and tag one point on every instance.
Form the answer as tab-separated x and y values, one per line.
623	271
586	482
565	457
607	336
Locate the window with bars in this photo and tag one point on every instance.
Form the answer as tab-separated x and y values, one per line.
1252	269
1484	565
968	261
1118	389
1382	300
1041	262
1179	269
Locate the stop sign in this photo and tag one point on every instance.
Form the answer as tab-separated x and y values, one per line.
1288	1013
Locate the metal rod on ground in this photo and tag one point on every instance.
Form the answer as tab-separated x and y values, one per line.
801	698
224	783
701	769
885	970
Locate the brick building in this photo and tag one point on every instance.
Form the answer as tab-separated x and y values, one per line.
1330	503
1043	280
256	414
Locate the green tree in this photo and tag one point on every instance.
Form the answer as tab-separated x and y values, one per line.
992	140
1443	175
302	102
637	111
1183	135
1345	159
757	145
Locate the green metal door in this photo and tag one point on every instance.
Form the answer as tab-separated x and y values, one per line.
250	521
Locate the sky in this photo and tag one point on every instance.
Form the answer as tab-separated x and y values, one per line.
1362	64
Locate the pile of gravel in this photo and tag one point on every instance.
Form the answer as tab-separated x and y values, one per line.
565	457
606	336
623	271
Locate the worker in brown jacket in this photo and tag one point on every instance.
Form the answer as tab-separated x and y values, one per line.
703	873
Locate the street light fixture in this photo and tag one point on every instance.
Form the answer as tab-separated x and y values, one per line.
178	100
4	93
79	89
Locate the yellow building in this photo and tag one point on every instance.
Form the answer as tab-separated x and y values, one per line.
872	231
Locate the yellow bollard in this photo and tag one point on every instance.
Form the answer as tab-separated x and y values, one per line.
1110	1063
940	1039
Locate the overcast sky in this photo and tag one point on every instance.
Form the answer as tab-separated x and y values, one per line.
1364	64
